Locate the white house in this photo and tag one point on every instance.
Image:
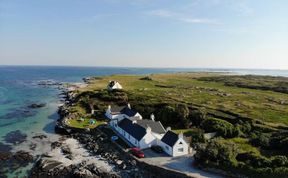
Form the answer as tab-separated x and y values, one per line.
174	144
114	85
117	113
140	133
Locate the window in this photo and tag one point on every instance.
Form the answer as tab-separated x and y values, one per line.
180	150
180	143
135	142
124	133
167	148
129	137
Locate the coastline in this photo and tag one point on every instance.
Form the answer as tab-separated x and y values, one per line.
41	140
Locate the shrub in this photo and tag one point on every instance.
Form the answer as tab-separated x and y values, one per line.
222	127
280	160
198	116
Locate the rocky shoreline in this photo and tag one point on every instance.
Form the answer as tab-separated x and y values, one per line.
65	160
90	153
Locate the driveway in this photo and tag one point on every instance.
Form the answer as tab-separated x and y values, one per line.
180	163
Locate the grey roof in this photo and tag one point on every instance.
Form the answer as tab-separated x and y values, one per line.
134	130
117	109
123	110
170	138
138	128
156	127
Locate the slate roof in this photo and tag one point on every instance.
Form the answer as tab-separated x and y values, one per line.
134	130
156	127
128	111
170	138
123	110
111	83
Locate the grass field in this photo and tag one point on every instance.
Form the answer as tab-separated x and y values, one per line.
265	105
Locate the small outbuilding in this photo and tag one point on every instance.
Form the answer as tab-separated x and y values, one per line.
114	85
174	144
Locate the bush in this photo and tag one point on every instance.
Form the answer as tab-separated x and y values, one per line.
222	127
218	153
175	116
260	140
198	116
279	161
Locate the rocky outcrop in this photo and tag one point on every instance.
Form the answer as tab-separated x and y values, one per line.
10	162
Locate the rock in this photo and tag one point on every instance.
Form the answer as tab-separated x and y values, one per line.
47	165
15	137
40	136
19	113
55	144
34	105
12	161
119	162
5	148
66	150
82	173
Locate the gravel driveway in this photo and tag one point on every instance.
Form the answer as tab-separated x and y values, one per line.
181	163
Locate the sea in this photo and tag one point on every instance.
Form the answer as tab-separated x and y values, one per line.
19	88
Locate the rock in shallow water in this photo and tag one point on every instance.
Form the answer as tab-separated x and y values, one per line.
35	105
19	113
10	162
5	147
15	137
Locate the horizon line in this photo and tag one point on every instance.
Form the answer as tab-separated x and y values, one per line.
139	67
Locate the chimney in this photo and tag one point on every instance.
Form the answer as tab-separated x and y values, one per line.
109	108
152	117
129	106
180	135
168	129
148	129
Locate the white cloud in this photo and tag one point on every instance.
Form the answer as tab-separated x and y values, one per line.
180	17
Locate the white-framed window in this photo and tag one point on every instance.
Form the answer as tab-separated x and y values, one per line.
180	150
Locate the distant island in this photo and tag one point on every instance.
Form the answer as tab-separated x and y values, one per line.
236	125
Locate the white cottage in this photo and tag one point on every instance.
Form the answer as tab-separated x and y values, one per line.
117	113
114	85
174	144
140	133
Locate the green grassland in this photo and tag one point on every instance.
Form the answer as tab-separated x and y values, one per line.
215	96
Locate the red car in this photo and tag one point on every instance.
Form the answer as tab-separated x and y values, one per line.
137	152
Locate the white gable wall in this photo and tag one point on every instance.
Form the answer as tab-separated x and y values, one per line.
147	141
180	149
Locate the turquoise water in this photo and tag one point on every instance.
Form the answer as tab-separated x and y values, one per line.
19	88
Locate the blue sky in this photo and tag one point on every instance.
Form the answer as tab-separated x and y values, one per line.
145	33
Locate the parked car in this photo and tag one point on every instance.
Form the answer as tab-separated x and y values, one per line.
137	152
157	149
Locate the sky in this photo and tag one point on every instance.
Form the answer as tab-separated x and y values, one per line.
145	33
